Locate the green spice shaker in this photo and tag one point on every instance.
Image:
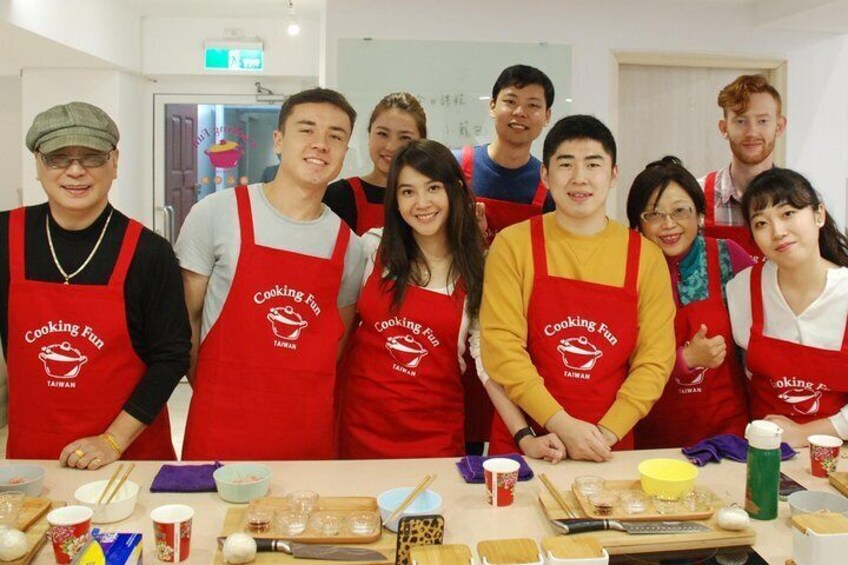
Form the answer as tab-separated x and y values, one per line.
763	473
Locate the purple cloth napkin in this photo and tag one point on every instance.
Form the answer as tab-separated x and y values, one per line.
471	467
185	478
726	446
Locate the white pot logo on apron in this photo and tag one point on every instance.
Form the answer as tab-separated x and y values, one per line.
62	360
803	396
406	350
579	353
286	323
696	380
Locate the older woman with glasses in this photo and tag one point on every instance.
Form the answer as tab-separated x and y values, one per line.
705	394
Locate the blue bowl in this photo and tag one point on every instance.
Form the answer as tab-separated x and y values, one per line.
242	482
428	502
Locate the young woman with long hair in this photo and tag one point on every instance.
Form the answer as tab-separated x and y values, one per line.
790	313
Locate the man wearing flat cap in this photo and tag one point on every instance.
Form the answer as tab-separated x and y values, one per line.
92	313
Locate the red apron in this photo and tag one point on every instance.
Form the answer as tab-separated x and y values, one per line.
712	401
500	214
739	234
403	388
581	347
797	381
67	345
368	215
266	372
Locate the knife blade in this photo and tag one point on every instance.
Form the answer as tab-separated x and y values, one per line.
317	551
580	525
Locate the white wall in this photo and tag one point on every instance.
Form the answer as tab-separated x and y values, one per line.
817	115
10	141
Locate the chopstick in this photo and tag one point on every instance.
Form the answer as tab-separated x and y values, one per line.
109	484
557	496
425	482
121	483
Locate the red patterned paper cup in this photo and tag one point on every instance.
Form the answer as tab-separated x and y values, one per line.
501	475
68	531
824	454
172	531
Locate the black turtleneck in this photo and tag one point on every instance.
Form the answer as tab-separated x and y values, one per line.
153	292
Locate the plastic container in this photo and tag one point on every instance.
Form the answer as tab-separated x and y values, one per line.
762	478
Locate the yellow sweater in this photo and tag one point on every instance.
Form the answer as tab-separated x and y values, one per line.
600	258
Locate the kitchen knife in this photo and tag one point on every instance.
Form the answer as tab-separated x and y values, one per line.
580	525
317	551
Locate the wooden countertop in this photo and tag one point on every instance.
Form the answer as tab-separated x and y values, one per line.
468	517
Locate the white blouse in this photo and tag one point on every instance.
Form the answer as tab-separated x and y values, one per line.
821	325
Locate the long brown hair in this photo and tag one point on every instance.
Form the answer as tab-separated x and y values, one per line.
399	253
783	186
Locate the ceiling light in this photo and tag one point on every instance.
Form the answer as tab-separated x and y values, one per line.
293	26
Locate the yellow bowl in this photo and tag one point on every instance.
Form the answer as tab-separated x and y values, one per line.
667	478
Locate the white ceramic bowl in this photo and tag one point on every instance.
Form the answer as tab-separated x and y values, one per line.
242	482
428	502
25	477
120	508
810	501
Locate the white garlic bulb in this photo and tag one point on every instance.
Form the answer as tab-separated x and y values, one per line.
733	518
239	548
13	544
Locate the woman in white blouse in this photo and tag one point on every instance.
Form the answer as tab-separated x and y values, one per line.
790	314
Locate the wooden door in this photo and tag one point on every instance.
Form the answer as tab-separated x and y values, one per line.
181	182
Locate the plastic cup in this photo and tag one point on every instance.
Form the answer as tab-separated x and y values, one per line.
10	507
172	531
69	527
501	475
824	454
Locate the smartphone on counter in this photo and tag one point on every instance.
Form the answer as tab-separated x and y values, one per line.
788	485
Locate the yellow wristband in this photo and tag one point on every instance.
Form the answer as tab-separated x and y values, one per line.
112	442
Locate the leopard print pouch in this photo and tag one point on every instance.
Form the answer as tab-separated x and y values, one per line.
418	530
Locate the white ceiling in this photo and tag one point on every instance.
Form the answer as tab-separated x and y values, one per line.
222	8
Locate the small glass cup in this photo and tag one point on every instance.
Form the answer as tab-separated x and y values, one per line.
588	485
10	507
303	501
326	523
603	502
363	523
634	502
259	519
665	505
698	500
290	522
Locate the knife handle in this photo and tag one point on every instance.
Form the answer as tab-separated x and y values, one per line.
580	525
272	545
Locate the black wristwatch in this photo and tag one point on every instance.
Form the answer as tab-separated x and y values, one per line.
522	433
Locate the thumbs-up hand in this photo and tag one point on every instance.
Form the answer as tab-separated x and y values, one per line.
704	351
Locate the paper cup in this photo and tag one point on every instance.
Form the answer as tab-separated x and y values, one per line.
501	475
172	531
68	531
824	454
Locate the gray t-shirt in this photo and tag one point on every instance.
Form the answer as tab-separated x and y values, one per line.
209	244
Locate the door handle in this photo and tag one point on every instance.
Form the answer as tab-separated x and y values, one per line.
168	213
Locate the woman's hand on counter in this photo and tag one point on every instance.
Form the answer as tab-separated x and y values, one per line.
796	434
88	453
548	447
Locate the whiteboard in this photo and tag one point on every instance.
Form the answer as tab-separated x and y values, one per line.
452	80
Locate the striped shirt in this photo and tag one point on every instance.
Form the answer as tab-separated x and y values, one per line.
728	199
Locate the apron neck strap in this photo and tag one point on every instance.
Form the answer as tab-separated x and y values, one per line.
538	203
342	239
537	244
17	232
467	163
757	299
128	245
709	196
245	216
359	200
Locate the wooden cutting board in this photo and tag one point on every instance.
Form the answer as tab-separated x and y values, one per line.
839	482
36	526
235	518
500	551
453	554
617	543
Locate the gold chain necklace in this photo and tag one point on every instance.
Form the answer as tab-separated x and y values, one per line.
90	255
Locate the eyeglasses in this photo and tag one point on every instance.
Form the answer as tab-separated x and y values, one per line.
62	161
657	217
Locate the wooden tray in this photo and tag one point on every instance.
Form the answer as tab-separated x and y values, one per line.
839	482
618	512
35	526
236	517
617	543
341	506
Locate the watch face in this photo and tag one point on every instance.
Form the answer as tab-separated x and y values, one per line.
723	556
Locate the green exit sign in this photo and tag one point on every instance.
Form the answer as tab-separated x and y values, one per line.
233	56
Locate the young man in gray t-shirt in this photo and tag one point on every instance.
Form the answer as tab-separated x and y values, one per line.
272	277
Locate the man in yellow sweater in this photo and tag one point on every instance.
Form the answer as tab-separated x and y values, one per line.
577	318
